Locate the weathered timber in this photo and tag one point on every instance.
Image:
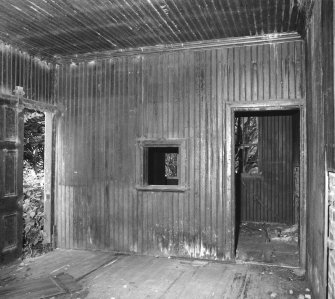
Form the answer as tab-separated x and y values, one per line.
320	136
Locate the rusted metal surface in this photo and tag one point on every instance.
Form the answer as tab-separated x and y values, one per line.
111	103
19	69
54	28
277	166
268	196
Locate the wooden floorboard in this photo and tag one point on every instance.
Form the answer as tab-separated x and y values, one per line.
90	274
56	272
32	289
76	263
150	277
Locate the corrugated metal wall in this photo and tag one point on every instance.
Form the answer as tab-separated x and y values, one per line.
19	69
269	195
277	167
110	103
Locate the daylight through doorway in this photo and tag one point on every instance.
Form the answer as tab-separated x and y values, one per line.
33	183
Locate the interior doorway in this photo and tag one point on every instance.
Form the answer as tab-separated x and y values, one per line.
267	191
11	179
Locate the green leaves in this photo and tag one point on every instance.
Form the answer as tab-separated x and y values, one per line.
34	125
33	208
33	183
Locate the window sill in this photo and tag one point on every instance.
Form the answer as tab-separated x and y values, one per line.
162	188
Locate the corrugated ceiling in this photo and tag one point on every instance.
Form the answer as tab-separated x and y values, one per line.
53	28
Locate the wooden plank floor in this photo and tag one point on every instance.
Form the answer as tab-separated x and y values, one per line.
50	275
76	263
104	275
31	289
149	277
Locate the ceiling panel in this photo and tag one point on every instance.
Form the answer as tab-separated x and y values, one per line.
53	28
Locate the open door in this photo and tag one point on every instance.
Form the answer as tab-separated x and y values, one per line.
11	191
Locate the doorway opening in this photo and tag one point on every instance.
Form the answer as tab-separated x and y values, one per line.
35	173
267	186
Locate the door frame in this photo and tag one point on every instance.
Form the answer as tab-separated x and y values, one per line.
231	109
51	114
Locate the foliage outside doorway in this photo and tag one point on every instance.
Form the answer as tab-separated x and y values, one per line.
33	184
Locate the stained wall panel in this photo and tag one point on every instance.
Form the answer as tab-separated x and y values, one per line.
268	195
113	102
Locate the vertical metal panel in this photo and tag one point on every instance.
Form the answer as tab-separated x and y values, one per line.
110	103
278	193
20	69
269	196
277	168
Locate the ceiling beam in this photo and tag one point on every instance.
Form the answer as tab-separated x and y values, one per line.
226	42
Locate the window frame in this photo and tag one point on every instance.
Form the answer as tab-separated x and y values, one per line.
142	166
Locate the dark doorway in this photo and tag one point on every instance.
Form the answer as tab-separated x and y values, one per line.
267	189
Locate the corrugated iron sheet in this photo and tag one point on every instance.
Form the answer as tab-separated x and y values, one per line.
110	103
19	69
47	28
269	195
